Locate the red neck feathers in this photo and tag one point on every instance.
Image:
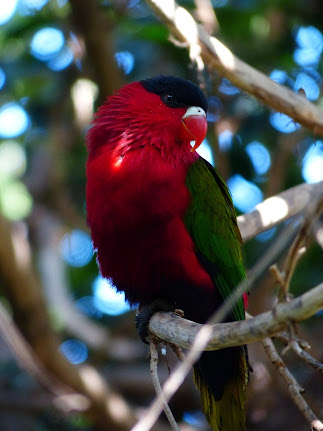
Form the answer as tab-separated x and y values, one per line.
135	118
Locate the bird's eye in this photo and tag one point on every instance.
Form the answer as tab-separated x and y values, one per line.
169	100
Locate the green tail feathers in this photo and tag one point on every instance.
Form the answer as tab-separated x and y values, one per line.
228	412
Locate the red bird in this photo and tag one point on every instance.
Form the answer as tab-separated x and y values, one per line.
163	223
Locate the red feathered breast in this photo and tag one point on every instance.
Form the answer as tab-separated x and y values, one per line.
136	204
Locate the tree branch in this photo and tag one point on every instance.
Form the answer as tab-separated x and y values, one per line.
99	41
306	357
157	386
294	389
298	248
173	329
217	56
277	209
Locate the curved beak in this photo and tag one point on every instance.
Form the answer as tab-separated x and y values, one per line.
194	125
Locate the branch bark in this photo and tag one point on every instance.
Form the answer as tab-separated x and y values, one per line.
154	375
173	329
277	209
99	42
218	57
294	389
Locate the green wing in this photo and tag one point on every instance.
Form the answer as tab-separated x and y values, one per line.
212	224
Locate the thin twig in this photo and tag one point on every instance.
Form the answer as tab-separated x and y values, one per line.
284	337
298	248
293	387
306	357
283	278
299	346
157	386
178	352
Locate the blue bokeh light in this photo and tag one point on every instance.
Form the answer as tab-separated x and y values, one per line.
245	194
76	248
204	151
283	123
31	6
225	140
87	306
125	61
312	169
267	235
306	57
214	109
279	76
75	351
46	43
308	84
310	46
14	120
7	10
62	60
227	88
2	78
107	299
309	37
194	418
259	156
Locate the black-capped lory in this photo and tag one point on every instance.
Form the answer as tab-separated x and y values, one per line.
164	226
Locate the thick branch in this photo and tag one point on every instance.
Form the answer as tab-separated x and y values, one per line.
278	97
99	40
173	329
277	209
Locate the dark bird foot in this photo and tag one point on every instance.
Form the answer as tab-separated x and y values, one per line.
179	312
145	313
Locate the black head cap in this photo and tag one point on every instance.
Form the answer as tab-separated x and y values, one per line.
176	92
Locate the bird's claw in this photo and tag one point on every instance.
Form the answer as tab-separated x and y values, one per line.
144	314
179	312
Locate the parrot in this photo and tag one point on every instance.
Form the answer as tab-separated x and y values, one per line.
163	224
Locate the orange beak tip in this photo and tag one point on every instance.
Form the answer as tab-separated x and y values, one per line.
195	127
195	146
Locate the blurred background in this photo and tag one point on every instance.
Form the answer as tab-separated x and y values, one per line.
59	59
